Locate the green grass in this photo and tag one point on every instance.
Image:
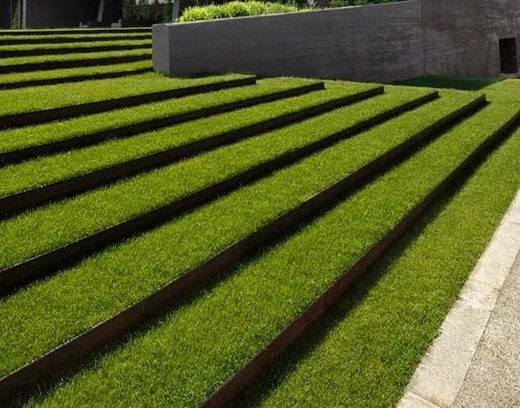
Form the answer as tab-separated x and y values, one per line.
452	82
60	166
93	45
96	37
364	352
75	56
194	349
71	72
32	99
101	208
13	139
79	297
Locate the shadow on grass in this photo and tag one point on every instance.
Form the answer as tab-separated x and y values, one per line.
461	83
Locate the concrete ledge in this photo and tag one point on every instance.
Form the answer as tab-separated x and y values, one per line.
441	374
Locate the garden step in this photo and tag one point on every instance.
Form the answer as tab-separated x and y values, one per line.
73	111
291	333
73	63
33	52
43	264
308	209
152	124
99	291
90	180
73	78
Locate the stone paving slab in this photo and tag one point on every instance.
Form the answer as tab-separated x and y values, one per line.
475	361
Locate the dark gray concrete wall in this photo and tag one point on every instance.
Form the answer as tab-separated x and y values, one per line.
461	36
370	43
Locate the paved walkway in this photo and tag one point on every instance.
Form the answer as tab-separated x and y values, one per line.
475	361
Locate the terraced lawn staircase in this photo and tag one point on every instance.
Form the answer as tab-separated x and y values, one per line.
190	236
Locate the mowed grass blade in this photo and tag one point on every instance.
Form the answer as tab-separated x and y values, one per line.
93	179
189	353
96	288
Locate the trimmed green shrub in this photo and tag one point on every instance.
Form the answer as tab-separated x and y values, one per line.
234	9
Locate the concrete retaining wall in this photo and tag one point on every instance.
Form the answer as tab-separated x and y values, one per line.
379	43
382	43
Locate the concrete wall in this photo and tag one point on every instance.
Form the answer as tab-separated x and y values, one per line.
381	43
368	43
461	36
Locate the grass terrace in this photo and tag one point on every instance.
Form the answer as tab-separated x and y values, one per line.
163	245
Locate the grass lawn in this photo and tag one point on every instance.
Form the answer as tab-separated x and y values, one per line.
361	353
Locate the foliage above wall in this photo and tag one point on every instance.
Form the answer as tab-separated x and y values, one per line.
234	9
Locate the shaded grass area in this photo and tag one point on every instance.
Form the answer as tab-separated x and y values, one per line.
197	347
104	207
451	82
69	57
54	96
79	297
71	72
60	166
89	44
365	351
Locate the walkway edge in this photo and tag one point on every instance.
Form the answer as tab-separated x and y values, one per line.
441	373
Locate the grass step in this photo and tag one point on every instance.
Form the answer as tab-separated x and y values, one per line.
231	218
332	294
89	108
22	273
77	78
73	61
358	349
79	49
87	44
87	180
58	96
193	108
69	39
18	80
194	349
273	150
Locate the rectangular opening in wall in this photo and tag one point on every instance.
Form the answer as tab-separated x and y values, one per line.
508	57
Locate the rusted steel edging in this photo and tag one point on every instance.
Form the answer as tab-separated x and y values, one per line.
84	182
114	328
90	108
78	63
297	328
71	79
85	140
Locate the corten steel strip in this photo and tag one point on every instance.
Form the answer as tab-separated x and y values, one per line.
71	50
297	328
84	182
150	125
114	328
45	264
71	79
78	63
71	40
90	108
